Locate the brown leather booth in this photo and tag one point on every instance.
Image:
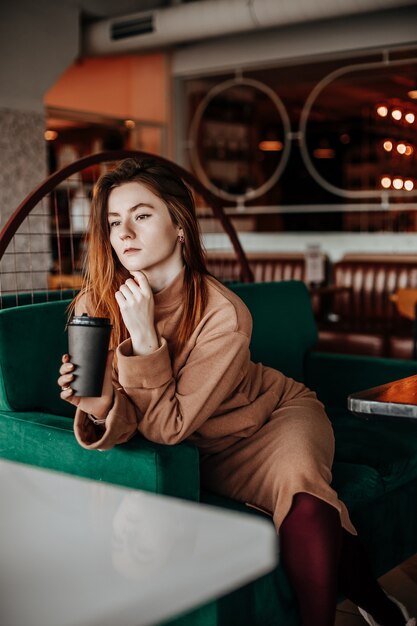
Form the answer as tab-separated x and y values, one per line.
355	314
362	319
266	266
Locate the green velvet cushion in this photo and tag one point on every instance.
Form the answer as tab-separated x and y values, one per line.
356	483
34	422
36	297
389	447
335	376
283	324
387	527
48	441
32	341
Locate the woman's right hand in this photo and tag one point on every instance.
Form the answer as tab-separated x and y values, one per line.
99	407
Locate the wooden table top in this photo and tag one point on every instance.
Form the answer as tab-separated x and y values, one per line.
395	399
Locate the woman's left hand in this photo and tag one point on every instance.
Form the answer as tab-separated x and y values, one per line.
97	406
136	304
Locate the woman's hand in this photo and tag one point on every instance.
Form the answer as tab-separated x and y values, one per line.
99	407
136	304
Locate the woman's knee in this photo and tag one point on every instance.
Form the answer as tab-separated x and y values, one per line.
310	511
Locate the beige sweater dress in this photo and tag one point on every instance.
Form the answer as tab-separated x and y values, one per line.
262	436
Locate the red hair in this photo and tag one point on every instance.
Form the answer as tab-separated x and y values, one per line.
104	273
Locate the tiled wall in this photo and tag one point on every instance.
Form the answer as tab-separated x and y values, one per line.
22	168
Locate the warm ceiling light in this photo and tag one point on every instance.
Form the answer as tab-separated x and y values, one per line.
409	150
386	182
50	135
270	146
396	114
382	111
130	123
410	117
409	185
388	146
413	94
324	153
398	183
401	148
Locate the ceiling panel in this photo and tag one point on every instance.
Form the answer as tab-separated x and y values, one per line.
111	8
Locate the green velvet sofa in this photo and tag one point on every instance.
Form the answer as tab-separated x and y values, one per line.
375	469
9	300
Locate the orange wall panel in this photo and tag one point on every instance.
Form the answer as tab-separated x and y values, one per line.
124	86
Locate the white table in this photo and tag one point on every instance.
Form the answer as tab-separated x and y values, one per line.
75	552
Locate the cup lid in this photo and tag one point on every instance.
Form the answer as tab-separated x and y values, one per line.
86	320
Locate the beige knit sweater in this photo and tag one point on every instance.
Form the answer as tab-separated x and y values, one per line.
209	393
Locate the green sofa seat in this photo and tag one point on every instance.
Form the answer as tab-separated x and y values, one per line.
375	469
356	483
47	440
35	297
391	451
36	425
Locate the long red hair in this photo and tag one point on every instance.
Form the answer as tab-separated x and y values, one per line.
104	273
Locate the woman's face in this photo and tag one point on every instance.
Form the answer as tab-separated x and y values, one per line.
141	230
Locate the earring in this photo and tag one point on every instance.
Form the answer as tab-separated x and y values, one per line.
181	238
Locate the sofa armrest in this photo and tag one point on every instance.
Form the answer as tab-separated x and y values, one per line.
47	440
334	376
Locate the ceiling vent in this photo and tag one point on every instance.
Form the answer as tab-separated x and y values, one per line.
205	19
131	27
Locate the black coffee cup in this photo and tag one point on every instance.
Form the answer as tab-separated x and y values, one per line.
88	344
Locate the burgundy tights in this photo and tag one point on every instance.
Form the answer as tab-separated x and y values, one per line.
321	558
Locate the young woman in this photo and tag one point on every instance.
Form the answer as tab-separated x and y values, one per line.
180	369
